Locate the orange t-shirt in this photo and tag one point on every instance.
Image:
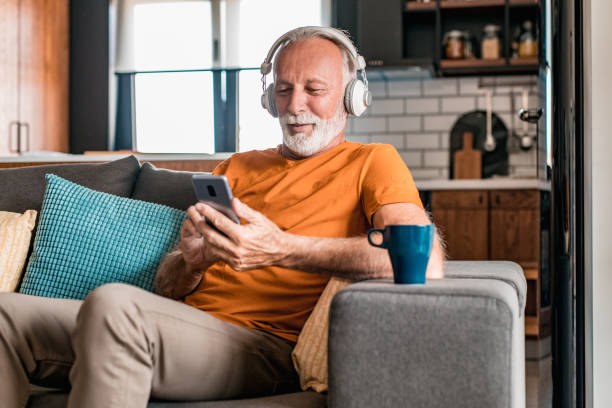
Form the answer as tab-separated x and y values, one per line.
334	194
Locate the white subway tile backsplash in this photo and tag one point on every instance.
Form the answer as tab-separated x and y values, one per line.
509	120
412	159
387	106
500	103
422	105
425	174
348	129
357	139
469	86
527	158
396	141
404	123
371	124
405	88
436	158
502	90
439	122
459	104
422	140
378	89
440	87
445	140
416	118
524	172
533	101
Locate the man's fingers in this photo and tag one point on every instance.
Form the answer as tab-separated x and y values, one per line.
244	211
195	217
219	220
189	229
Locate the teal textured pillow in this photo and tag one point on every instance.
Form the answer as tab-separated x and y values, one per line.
86	238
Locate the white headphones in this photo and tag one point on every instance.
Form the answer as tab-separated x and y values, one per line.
357	97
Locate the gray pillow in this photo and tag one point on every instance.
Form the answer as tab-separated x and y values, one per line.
23	188
168	187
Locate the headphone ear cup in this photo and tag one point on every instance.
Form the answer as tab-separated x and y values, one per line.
268	102
357	98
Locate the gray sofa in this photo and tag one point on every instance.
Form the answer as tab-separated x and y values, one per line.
454	342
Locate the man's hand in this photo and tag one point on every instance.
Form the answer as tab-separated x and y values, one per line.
181	271
254	244
192	245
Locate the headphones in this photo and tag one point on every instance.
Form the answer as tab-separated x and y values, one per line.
357	97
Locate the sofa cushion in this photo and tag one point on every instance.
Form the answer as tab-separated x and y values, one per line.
15	234
87	238
26	185
309	355
168	187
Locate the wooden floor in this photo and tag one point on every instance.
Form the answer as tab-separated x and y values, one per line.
538	370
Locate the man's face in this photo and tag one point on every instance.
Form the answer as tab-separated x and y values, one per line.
308	91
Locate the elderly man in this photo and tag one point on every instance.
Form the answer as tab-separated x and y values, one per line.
245	290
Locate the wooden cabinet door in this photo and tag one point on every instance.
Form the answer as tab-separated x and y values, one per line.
462	219
43	84
9	60
515	226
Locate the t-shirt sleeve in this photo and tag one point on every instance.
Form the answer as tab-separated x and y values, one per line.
386	180
221	168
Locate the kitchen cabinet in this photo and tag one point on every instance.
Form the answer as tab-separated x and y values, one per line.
34	47
463	220
508	225
392	33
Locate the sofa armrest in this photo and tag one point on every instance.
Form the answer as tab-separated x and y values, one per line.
457	341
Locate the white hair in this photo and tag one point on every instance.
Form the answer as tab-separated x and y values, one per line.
349	71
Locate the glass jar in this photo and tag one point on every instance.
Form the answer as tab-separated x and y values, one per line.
468	45
454	44
491	44
528	46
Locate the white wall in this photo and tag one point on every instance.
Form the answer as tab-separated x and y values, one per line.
598	138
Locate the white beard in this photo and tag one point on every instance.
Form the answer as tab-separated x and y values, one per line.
324	130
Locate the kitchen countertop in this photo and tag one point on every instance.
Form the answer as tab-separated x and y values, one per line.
495	183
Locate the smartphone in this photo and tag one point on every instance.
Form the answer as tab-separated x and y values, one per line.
215	191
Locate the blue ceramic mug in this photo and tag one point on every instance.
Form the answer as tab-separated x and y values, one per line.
409	248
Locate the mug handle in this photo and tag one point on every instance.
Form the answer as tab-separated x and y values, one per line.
370	232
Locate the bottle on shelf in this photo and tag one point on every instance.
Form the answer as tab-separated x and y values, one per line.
528	46
491	44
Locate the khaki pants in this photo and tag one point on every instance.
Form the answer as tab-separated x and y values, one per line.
123	345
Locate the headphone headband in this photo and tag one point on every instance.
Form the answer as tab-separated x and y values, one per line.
359	61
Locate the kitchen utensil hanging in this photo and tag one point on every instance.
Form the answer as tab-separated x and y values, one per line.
494	162
489	143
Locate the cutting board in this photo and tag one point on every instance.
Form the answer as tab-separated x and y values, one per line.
467	162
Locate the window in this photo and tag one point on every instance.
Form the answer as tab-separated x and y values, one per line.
172	49
174	111
257	129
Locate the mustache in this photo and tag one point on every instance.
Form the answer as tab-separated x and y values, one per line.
301	119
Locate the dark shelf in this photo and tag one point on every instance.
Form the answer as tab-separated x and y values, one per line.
481	66
454	4
412	35
522	3
524	61
417	6
472	63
